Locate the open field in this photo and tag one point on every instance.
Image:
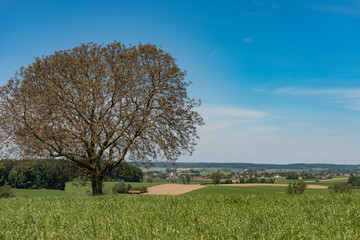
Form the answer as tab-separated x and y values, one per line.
172	189
326	182
330	180
271	185
227	211
167	189
227	189
264	216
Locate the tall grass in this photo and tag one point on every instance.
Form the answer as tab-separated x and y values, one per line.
264	216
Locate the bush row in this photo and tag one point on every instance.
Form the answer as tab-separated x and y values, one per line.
122	188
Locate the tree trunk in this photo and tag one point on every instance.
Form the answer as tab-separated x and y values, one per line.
97	185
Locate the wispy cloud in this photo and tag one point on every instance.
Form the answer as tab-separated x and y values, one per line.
349	98
229	119
212	54
234	134
306	91
267	4
248	40
229	111
352	9
259	90
300	124
263	88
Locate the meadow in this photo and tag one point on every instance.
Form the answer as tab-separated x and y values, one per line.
72	190
75	189
202	216
224	189
213	212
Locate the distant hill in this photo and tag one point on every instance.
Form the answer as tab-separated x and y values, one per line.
295	166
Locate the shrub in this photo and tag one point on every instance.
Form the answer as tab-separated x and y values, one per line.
341	188
128	188
107	190
354	181
6	192
296	188
252	180
242	180
142	189
228	181
183	179
292	176
119	187
271	180
188	178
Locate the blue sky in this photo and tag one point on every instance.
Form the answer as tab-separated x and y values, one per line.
279	80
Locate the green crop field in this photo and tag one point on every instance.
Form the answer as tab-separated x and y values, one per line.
233	216
213	212
329	183
228	189
321	182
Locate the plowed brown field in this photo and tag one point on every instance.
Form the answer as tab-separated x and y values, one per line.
172	189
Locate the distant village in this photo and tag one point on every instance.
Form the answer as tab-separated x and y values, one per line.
229	173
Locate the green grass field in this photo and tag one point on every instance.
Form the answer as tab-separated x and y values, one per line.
213	212
74	190
78	190
203	216
330	183
325	183
250	190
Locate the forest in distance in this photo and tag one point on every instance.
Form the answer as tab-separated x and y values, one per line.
257	166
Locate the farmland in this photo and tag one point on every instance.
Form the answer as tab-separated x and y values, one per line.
204	216
226	211
74	190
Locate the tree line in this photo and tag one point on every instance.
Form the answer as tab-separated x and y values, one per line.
54	173
258	166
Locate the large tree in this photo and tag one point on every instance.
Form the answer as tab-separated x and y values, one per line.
99	105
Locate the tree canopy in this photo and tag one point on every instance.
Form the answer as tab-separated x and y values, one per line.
98	105
216	177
